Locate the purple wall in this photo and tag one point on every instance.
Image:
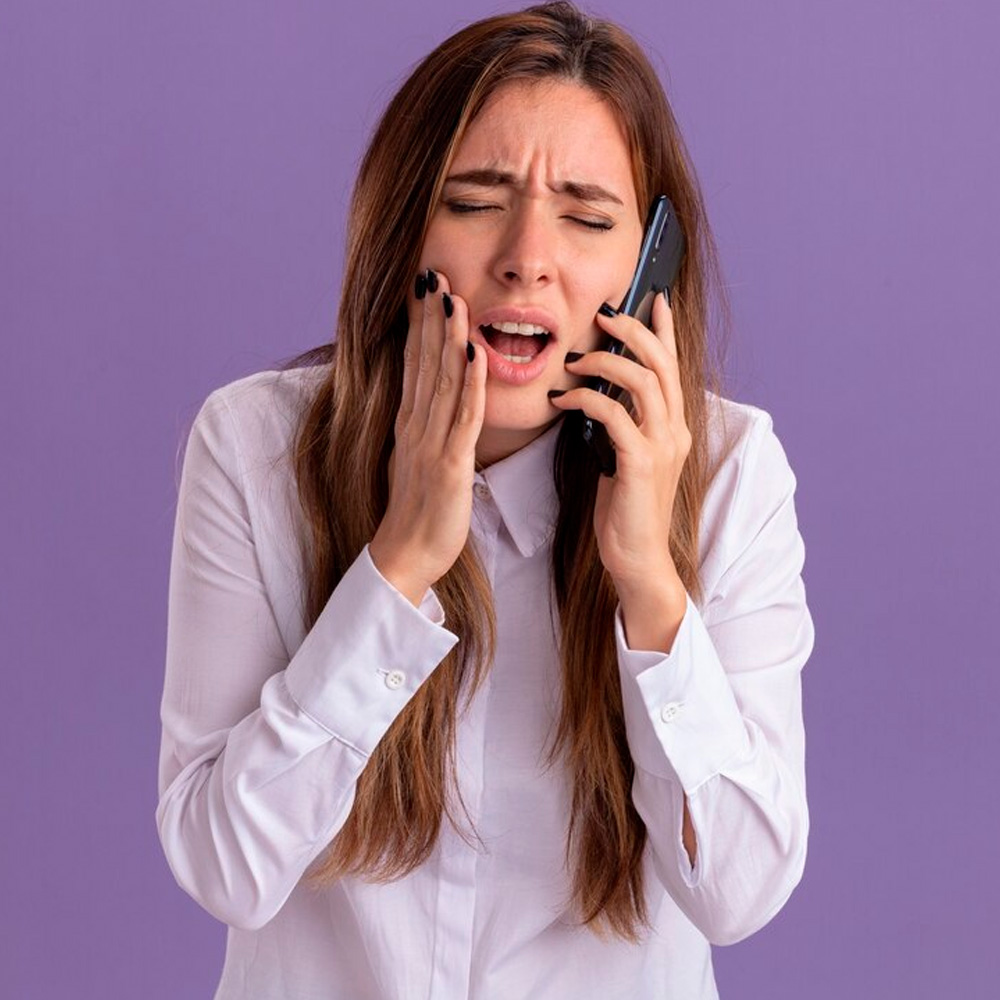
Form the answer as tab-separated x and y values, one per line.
173	183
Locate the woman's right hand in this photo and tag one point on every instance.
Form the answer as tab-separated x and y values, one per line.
432	465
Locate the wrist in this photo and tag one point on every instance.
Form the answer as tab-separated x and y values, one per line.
393	571
655	588
652	615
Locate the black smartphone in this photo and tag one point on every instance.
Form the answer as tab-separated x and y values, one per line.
659	261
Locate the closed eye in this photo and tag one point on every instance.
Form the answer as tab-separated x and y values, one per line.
467	208
463	207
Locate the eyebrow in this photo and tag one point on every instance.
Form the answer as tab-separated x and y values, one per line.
486	177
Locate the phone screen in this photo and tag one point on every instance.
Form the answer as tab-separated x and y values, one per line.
660	257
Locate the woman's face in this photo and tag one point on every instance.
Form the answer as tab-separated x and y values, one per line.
538	224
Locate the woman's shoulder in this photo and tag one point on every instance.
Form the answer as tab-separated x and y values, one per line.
749	474
240	448
246	428
277	394
733	428
264	409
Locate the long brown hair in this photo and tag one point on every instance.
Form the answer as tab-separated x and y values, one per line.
343	444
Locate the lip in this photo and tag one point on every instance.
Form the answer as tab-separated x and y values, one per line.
515	314
510	371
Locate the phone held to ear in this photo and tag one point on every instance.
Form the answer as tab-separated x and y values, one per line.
659	261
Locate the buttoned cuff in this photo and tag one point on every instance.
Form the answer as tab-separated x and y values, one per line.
681	715
366	655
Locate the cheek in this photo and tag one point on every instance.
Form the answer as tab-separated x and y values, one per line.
609	268
450	250
598	279
587	335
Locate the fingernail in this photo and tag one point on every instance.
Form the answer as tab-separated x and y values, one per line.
449	307
432	281
606	310
666	295
420	286
470	351
573	356
556	392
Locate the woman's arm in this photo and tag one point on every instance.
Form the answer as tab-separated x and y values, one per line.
714	713
652	622
260	752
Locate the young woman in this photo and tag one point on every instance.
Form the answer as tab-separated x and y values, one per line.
447	712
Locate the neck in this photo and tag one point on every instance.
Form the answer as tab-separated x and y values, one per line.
497	443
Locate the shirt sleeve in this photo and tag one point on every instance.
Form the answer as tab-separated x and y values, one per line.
260	753
719	718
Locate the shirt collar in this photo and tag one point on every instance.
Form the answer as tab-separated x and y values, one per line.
524	491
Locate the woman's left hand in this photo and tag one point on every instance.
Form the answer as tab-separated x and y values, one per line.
633	510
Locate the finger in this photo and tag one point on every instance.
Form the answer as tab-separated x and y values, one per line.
643	384
411	350
651	352
625	435
648	348
450	382
663	324
428	360
471	409
670	378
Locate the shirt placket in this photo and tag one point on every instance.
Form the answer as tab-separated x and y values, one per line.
457	857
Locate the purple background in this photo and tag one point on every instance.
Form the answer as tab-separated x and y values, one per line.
173	185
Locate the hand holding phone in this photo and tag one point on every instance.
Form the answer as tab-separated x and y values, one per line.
660	259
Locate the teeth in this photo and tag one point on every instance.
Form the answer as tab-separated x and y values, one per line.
517	358
524	329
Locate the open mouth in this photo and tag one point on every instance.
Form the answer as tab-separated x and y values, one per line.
519	343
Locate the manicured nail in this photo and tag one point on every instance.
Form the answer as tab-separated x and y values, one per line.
420	286
556	392
606	310
449	307
470	351
666	295
432	281
573	356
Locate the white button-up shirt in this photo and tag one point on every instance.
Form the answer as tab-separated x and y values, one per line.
266	729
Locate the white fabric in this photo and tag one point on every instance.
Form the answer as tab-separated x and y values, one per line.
266	730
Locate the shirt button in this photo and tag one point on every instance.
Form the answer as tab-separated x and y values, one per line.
670	711
394	679
482	491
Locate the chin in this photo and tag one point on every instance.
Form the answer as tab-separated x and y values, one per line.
519	416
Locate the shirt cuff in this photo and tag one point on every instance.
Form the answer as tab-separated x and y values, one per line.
681	715
366	655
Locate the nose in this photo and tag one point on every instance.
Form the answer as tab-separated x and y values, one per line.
525	254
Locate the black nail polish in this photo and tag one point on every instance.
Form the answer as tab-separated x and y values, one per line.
470	351
606	310
573	356
666	295
420	286
552	393
432	281
449	306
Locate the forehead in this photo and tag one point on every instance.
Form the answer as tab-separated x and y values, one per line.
559	127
